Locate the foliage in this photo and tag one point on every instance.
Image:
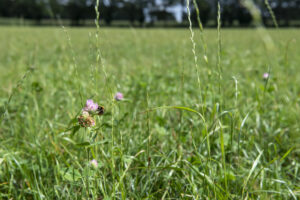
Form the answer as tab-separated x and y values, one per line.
138	10
168	138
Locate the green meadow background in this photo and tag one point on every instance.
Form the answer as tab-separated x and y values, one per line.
234	137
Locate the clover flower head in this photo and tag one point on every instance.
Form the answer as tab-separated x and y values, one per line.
90	106
90	109
94	163
85	114
119	96
86	121
91	121
266	75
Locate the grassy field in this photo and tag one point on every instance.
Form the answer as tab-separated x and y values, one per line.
210	130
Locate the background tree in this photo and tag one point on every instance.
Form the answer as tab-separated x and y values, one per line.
243	15
160	11
6	8
108	11
130	9
141	5
204	11
29	9
38	10
286	11
229	12
55	8
78	10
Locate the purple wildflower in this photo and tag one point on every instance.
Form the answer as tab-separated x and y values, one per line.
266	75
119	96
90	106
94	163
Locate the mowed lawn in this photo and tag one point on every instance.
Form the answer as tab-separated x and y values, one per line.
210	130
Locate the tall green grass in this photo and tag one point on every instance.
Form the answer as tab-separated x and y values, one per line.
234	136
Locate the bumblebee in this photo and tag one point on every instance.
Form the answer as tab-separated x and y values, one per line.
100	110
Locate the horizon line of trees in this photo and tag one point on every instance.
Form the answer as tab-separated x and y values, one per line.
146	11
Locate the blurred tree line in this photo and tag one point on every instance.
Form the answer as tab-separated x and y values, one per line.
146	11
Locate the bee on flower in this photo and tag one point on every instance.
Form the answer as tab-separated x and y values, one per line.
90	109
100	110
